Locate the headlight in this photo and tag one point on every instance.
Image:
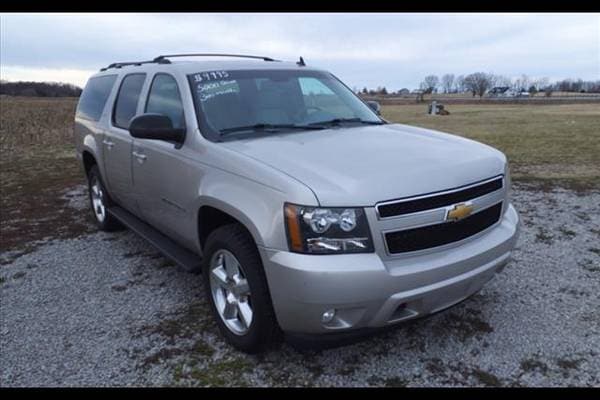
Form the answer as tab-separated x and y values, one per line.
317	230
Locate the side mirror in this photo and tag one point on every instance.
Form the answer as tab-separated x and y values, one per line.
155	127
374	106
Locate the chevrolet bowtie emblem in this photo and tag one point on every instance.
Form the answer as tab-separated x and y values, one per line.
459	211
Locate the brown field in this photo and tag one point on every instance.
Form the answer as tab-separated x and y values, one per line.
549	144
35	121
37	167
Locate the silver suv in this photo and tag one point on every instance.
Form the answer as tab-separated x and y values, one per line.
306	212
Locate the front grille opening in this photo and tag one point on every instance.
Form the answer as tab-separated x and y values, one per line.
440	234
437	201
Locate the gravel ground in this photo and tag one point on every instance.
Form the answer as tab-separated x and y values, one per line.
107	310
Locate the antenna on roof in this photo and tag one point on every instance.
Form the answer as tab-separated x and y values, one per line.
301	62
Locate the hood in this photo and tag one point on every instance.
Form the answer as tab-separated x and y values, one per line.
361	166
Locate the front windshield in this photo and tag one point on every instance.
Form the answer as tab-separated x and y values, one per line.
255	102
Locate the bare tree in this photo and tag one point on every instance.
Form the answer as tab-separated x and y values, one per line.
501	81
430	83
541	83
448	83
459	84
478	83
522	83
39	89
532	90
570	85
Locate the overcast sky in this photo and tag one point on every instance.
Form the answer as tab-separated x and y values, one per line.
392	50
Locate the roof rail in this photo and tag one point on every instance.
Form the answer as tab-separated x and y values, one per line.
124	64
163	58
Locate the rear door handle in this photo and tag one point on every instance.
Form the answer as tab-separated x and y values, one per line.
108	143
141	157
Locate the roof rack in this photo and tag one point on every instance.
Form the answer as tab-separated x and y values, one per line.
124	64
163	58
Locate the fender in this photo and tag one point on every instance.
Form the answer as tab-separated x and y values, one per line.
257	206
234	212
89	143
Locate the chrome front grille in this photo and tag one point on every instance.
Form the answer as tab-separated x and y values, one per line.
430	236
438	199
421	222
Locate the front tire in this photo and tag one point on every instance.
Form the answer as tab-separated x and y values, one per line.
236	290
99	202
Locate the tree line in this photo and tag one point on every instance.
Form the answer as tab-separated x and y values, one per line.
39	89
480	83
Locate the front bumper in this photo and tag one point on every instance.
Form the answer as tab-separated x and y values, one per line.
369	292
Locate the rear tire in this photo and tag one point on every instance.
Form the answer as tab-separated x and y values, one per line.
100	201
236	289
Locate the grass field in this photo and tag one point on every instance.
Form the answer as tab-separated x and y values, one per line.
557	144
549	144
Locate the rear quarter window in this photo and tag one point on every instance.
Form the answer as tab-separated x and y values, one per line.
94	96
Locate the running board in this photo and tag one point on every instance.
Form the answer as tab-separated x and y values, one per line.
186	259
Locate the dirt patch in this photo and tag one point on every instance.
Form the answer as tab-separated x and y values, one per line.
567	364
486	378
37	200
466	326
161	355
228	372
567	233
183	325
542	236
530	365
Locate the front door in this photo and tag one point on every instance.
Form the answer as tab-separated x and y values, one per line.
162	169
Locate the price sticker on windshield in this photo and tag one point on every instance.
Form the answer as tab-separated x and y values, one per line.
211	76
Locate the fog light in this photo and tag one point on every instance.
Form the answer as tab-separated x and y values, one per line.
328	316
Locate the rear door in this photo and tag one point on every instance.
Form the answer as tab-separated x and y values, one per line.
118	143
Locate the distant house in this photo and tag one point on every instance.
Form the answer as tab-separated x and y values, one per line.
499	91
403	91
505	91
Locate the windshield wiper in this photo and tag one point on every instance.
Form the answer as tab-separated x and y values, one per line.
267	127
337	121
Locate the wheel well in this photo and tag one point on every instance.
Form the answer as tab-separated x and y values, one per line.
210	218
88	161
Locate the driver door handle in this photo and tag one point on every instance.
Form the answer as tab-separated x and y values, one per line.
108	143
141	157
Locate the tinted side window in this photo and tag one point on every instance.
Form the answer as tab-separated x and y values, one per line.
127	99
94	96
164	99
